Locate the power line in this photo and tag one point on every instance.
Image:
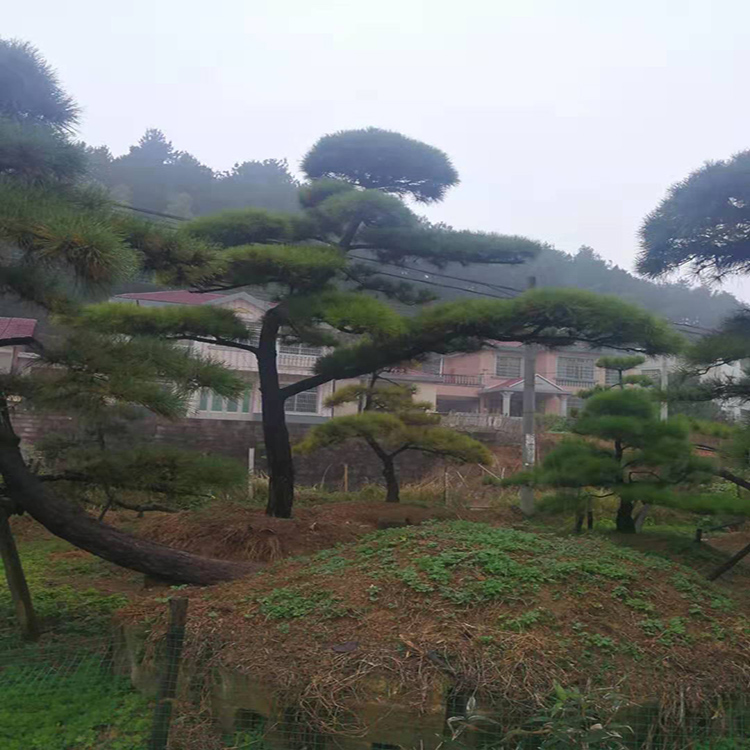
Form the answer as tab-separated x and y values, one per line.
444	286
150	212
496	287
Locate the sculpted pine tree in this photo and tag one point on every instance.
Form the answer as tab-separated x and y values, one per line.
624	449
326	296
392	422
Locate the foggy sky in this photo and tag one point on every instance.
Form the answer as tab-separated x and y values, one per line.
567	119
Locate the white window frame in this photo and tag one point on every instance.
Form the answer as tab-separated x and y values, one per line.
507	356
208	401
611	377
579	364
293	399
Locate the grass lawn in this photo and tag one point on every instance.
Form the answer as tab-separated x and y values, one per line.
58	694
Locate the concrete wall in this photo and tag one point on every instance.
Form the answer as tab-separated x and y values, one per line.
233	438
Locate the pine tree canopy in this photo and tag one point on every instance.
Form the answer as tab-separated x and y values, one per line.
140	468
623	447
90	374
621	363
29	89
555	317
384	160
392	422
702	223
728	344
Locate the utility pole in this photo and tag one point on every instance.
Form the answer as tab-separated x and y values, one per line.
528	449
664	383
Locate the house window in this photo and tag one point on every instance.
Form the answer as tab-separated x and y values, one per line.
575	370
655	375
304	403
611	377
303	349
508	366
213	402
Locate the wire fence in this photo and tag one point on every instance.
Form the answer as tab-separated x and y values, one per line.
122	692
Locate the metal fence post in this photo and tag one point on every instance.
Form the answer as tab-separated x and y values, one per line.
168	688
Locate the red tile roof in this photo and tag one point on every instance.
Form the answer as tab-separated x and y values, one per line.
179	297
15	328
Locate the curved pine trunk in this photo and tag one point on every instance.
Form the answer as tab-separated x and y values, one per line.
71	523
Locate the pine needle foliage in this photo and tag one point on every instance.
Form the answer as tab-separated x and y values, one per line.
392	422
702	223
622	448
29	88
384	160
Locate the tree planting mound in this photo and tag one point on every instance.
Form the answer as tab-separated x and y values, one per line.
230	531
498	613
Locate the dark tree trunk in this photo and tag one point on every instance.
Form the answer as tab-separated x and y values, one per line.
275	432
579	522
72	523
392	489
625	521
14	575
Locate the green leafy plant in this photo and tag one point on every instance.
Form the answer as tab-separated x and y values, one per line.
579	719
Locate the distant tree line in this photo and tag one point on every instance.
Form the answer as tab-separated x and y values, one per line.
155	176
680	301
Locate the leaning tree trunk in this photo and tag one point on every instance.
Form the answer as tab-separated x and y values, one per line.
72	523
729	564
275	432
625	522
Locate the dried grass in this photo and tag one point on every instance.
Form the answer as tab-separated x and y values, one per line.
413	644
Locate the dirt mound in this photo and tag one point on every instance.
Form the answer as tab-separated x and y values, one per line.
236	532
500	614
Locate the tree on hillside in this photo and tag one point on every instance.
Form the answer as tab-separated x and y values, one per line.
154	175
392	422
678	300
325	298
625	449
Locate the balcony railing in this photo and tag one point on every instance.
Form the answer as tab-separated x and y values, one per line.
482	422
304	362
570	383
450	378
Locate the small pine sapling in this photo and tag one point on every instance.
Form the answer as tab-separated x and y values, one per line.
624	449
392	422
